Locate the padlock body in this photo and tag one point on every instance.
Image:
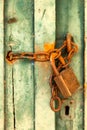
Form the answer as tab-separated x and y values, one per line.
67	82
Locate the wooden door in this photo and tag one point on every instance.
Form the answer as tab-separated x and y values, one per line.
28	25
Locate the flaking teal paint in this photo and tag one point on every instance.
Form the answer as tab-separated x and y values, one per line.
69	18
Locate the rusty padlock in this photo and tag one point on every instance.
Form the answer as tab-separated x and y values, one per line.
65	80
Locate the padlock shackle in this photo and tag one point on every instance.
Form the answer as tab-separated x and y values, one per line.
52	61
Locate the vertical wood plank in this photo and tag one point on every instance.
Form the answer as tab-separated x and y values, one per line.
1	66
70	19
85	67
9	115
44	32
19	77
22	34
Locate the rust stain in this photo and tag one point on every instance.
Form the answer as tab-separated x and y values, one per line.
10	62
49	46
85	87
12	20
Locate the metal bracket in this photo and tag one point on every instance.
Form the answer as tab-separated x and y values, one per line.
68	110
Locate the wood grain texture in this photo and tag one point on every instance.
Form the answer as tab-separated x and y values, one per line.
70	19
9	117
23	70
44	32
85	69
19	77
28	26
1	66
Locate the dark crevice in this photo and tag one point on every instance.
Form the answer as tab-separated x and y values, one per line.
13	101
4	52
34	79
84	61
4	72
67	109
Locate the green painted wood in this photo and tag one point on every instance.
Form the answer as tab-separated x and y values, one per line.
23	70
44	32
27	90
19	77
1	67
85	68
9	116
70	19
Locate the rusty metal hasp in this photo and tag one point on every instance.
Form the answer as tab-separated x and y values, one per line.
63	79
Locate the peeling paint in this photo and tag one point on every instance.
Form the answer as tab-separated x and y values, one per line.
49	46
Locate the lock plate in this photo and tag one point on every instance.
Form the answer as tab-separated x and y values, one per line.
68	110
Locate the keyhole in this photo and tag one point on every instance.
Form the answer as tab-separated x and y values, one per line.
67	108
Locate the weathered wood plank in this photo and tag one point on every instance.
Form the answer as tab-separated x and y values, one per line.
1	66
85	68
19	77
44	32
70	19
9	115
22	34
